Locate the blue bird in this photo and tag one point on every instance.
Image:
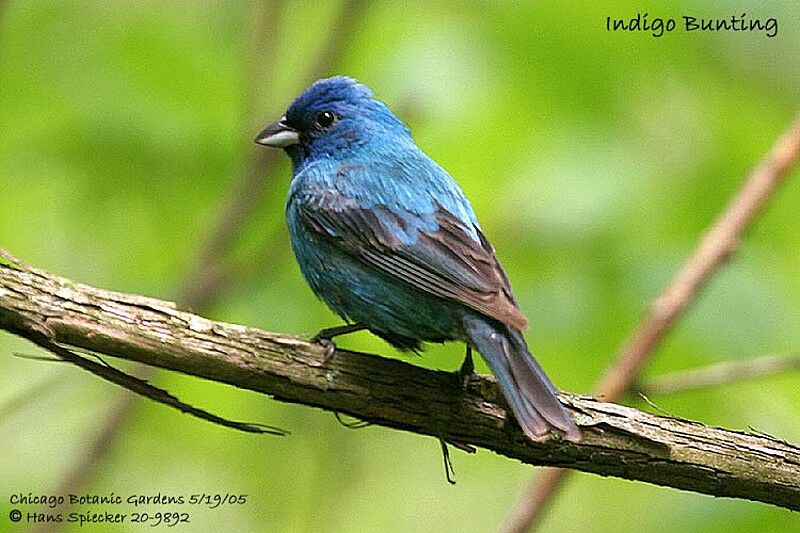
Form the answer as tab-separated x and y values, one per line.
387	239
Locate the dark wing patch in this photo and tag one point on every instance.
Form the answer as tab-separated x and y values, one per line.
447	262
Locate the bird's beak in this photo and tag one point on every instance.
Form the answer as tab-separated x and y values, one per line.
278	134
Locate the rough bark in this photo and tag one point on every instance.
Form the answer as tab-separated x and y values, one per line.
617	441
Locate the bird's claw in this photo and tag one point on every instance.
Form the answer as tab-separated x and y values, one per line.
324	337
328	344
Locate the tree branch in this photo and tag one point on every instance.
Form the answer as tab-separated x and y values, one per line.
711	253
720	374
141	386
617	440
715	248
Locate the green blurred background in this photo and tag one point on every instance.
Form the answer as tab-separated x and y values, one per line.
594	161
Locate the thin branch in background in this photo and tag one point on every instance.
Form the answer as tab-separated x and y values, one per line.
340	34
265	21
31	394
205	280
220	277
721	374
195	292
715	248
3	9
250	191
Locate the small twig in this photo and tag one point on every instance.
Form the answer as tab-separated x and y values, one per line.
6	259
449	472
716	246
356	424
652	404
721	374
45	358
145	389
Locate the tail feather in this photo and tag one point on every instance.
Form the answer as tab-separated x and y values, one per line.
530	393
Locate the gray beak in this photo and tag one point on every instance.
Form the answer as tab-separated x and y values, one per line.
278	134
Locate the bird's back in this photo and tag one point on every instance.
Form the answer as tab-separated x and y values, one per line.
397	175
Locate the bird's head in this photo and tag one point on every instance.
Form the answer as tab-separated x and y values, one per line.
332	115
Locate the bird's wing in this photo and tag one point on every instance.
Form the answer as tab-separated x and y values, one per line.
435	252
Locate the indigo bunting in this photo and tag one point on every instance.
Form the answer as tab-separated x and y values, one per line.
387	239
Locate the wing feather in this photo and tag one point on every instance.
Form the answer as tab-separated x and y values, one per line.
448	261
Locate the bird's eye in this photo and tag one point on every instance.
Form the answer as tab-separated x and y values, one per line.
326	118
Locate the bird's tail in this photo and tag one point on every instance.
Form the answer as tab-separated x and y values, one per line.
528	390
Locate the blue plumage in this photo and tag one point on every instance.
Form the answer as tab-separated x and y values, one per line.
387	239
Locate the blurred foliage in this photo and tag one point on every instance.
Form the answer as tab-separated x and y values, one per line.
594	160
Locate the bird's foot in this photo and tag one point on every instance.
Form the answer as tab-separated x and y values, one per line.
324	337
466	371
328	344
